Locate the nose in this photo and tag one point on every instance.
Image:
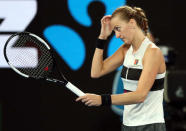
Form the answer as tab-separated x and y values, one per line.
117	34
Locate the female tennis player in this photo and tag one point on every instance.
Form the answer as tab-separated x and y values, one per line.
142	74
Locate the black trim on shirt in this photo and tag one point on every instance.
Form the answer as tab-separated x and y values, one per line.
134	74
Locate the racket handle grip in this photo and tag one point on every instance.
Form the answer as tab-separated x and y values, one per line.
74	89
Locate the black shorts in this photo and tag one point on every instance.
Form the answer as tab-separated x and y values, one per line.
149	127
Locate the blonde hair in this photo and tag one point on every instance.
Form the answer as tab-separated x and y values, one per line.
127	13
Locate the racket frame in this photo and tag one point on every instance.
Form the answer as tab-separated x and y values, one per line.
66	83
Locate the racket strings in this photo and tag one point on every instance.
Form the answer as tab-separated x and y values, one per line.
40	60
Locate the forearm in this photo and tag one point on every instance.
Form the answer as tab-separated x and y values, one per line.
127	98
107	100
97	63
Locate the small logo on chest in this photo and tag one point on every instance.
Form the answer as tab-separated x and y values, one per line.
136	61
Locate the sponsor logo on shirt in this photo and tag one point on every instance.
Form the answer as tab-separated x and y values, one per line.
136	61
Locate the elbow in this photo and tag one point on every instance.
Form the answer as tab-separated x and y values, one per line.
141	100
94	75
142	97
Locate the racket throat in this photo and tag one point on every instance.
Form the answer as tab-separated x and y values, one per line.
57	81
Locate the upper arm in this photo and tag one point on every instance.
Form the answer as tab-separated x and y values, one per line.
114	61
151	65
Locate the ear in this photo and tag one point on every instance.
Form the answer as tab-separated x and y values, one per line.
132	23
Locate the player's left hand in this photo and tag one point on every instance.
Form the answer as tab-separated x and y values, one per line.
90	99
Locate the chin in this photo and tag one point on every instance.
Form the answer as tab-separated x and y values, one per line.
126	42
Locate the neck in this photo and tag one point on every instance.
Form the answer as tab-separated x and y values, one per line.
137	41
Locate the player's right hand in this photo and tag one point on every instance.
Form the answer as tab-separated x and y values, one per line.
106	28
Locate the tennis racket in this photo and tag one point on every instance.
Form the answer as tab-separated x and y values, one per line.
31	57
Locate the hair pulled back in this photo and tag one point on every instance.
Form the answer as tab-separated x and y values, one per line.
127	13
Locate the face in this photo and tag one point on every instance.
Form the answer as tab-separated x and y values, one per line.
123	29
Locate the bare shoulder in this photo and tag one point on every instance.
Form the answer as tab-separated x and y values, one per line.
154	52
154	56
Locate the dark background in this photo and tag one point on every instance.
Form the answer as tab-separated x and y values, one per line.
35	106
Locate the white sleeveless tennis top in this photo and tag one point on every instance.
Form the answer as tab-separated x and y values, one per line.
151	110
